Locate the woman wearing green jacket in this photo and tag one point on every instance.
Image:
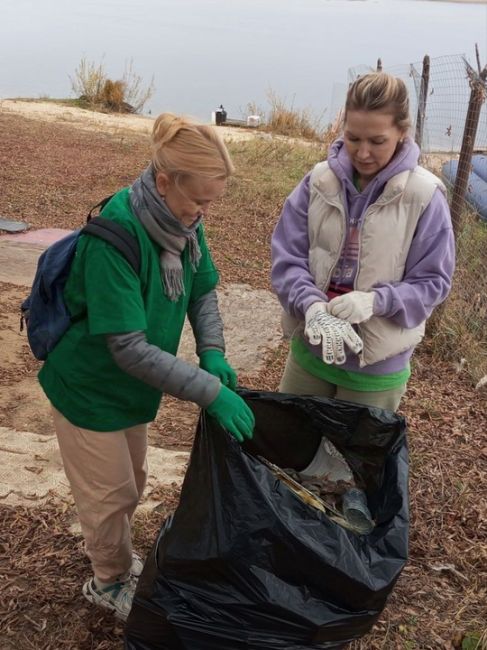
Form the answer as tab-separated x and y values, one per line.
106	376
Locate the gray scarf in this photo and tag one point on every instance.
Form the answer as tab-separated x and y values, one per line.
166	230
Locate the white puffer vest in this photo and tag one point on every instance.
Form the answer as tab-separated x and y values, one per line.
387	230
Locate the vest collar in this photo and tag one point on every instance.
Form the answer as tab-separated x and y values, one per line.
394	188
329	186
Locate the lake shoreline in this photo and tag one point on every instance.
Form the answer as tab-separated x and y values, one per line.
462	2
220	53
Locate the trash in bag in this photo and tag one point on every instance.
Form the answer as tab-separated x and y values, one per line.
330	479
344	503
247	563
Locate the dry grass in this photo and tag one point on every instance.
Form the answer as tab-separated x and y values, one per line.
112	95
460	331
440	600
42	568
285	119
50	175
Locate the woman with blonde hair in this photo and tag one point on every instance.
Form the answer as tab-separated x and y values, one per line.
106	376
362	254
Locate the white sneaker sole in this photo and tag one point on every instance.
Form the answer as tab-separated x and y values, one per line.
94	599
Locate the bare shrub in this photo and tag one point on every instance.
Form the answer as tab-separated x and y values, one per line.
284	119
136	94
88	81
127	95
290	121
333	130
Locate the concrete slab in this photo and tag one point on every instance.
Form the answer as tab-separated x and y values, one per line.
8	225
44	236
19	253
18	261
32	469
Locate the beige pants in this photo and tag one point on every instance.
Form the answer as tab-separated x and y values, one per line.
107	472
300	382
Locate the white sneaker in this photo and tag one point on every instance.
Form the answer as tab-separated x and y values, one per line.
137	565
117	597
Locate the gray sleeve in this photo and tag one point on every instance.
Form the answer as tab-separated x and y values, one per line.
206	323
135	356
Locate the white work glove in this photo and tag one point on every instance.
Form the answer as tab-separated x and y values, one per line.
354	307
333	333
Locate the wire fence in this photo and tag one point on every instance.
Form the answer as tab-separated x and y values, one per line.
464	318
446	102
451	127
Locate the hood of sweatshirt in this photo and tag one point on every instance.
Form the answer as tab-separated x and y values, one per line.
405	158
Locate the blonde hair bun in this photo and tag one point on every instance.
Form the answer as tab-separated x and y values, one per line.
166	128
182	146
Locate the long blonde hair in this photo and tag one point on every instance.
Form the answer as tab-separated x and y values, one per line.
379	91
181	147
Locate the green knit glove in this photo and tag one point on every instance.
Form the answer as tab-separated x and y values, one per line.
214	362
233	414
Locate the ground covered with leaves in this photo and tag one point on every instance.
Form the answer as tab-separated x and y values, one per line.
50	175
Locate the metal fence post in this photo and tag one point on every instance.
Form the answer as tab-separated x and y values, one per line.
423	94
477	98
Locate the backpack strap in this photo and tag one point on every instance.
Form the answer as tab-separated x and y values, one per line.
117	236
100	205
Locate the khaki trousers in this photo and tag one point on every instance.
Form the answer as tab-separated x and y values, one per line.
300	382
107	472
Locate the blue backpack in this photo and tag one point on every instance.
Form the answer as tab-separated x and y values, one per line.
44	312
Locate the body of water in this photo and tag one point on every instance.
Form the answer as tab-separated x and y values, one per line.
202	53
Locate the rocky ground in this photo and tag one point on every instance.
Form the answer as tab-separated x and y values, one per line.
51	172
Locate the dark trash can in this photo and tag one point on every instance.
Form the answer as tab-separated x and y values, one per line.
245	564
220	116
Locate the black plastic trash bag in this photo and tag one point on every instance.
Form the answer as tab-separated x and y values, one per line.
245	564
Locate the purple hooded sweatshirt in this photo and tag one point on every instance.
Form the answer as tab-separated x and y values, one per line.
429	267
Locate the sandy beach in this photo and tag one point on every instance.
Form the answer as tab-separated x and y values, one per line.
95	121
